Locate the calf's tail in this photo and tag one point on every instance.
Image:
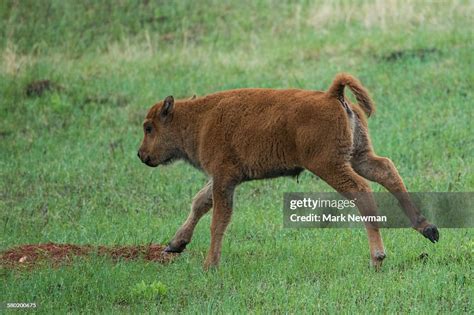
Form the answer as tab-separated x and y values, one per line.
363	98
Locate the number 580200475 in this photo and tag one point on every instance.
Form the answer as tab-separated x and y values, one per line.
21	305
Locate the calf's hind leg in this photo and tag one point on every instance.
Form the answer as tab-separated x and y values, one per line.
202	203
345	181
383	171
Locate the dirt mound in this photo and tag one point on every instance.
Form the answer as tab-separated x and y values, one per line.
56	254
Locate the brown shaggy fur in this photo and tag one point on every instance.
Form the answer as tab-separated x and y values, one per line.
245	134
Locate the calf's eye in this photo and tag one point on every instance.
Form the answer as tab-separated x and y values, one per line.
148	129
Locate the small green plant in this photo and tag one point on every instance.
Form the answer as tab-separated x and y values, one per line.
152	291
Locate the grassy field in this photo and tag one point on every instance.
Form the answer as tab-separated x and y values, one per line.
69	171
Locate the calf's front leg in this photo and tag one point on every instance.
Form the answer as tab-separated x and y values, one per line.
202	203
222	195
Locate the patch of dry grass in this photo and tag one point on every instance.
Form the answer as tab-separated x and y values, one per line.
12	62
385	14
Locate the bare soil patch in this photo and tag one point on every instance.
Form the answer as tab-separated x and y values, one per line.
37	88
56	254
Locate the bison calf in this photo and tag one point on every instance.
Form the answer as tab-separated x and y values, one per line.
245	134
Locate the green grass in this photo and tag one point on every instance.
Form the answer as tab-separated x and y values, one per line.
69	171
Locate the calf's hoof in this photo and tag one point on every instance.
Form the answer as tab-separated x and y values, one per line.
377	260
431	233
175	248
208	266
211	263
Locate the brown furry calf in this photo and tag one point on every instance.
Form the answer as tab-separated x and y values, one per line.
245	134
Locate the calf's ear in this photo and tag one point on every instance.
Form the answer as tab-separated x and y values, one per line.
167	107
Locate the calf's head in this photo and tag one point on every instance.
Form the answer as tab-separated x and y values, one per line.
159	141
